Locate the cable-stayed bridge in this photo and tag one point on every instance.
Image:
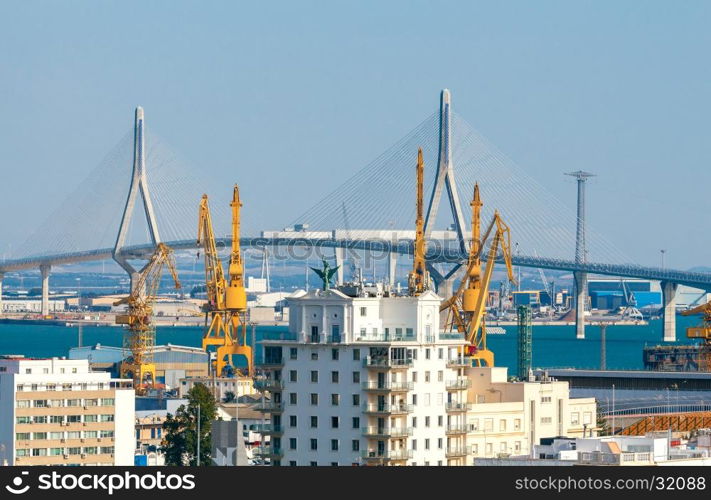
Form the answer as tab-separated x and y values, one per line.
373	211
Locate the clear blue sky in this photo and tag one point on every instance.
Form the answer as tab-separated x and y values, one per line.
303	94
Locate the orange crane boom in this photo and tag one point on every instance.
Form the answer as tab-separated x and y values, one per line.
466	309
140	335
419	280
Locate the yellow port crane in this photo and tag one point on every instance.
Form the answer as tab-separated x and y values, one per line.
466	309
702	332
140	336
226	306
419	280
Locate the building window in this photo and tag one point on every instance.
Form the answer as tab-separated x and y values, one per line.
314	376
23	403
107	402
356	354
414	376
292	463
335	399
56	419
40	403
489	448
474	424
414	421
90	418
517	446
440	376
363	311
427	376
314	446
73	435
334	377
42	419
427	421
475	449
427	444
546	420
334	353
575	418
20	388
503	447
22	420
28	371
414	444
22	436
488	424
427	399
334	422
314	355
414	399
356	377
292	398
440	421
292	376
292	420
314	334
517	424
427	353
439	443
587	418
440	353
355	445
293	353
334	444
356	399
314	422
292	443
545	399
314	399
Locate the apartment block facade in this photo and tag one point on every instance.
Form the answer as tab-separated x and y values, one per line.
372	380
58	412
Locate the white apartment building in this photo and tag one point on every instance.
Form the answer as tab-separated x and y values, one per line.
58	412
371	380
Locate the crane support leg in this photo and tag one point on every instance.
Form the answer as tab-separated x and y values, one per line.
581	284
44	269
669	300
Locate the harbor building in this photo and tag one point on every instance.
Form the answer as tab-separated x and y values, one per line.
59	412
368	378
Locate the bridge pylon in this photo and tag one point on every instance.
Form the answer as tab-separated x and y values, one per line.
139	186
445	181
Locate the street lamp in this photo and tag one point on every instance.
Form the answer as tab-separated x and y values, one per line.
662	252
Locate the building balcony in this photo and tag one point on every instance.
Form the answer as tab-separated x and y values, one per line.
458	407
268	384
458	384
456	429
387	432
268	429
458	362
386	455
385	363
267	452
374	386
458	451
386	409
269	407
271	364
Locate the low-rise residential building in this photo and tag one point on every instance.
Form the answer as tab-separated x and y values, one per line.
59	412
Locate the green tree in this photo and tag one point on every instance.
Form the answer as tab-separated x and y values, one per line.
180	437
229	397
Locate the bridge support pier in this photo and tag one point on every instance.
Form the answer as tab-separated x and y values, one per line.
340	258
44	270
669	304
392	267
2	275
581	283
